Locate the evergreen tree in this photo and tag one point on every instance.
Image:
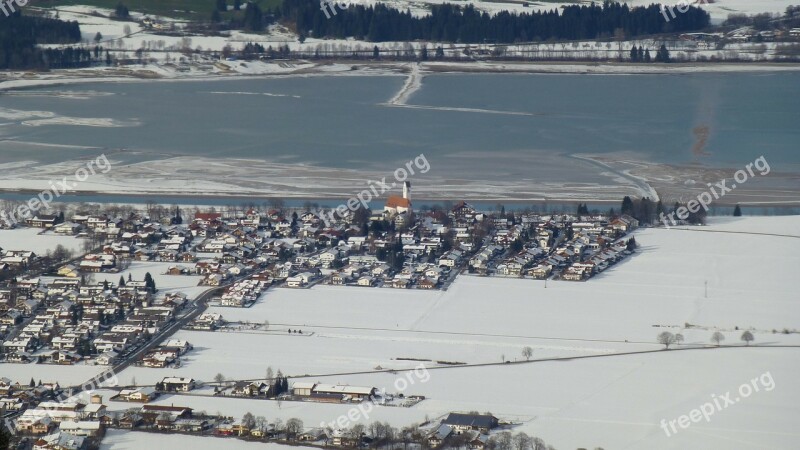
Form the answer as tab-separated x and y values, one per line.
663	54
215	16
627	206
641	53
222	5
253	17
376	52
121	12
121	281
737	211
32	383
634	54
647	56
149	282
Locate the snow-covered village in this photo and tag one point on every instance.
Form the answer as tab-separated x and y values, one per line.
478	225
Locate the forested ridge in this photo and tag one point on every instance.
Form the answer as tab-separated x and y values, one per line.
453	23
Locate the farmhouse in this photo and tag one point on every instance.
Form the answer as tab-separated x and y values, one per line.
177	384
482	423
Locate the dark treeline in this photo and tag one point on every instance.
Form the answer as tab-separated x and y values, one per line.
452	23
19	35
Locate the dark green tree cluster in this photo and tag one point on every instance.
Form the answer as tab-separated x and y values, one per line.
253	18
583	209
20	34
453	23
640	54
280	384
121	12
662	55
149	282
642	209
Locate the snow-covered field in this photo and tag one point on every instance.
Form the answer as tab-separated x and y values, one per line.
165	284
613	401
30	239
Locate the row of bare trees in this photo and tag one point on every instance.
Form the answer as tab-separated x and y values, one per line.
666	338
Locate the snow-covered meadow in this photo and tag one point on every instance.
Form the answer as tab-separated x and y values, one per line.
32	239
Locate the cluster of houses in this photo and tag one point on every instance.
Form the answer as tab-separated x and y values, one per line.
167	354
57	425
423	250
76	424
65	321
471	429
16	260
566	247
245	292
207	321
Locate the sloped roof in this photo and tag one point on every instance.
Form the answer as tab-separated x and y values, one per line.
395	201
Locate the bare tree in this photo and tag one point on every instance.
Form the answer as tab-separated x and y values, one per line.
261	422
538	444
678	338
717	337
666	338
293	428
502	440
527	352
522	441
219	378
747	337
249	420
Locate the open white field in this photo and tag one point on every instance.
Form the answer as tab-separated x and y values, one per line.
164	283
64	375
247	355
613	401
30	239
